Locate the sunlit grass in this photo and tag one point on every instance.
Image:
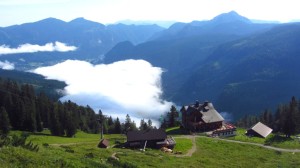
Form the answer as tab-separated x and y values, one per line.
210	153
183	145
272	140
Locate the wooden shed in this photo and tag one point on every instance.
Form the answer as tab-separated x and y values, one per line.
260	130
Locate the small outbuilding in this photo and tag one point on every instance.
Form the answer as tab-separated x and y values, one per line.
104	143
260	130
153	138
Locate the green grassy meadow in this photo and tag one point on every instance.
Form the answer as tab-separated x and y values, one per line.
272	140
82	151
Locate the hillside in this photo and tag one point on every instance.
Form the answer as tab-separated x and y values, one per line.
251	74
50	87
92	39
81	151
242	66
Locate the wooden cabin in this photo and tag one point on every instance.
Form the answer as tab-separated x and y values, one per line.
152	138
259	130
201	117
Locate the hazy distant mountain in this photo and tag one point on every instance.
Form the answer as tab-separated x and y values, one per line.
165	24
92	39
241	66
227	23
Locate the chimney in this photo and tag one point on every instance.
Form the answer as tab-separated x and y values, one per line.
197	104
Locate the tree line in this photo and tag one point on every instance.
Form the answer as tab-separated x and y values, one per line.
286	119
111	126
24	109
21	108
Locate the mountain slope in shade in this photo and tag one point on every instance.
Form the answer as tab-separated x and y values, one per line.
92	39
186	50
50	87
250	74
243	72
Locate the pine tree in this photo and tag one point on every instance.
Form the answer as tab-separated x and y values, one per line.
173	114
70	127
133	126
117	126
163	124
294	107
150	124
142	123
289	123
127	124
4	121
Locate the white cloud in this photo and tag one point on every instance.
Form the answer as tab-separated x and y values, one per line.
31	48
7	65
126	87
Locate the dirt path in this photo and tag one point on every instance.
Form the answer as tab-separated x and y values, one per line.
69	144
261	145
193	149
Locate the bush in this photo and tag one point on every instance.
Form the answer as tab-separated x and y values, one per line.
16	141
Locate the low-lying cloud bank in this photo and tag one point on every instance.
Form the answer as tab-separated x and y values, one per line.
7	65
32	48
126	87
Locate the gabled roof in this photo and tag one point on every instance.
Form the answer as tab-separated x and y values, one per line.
209	113
147	135
261	129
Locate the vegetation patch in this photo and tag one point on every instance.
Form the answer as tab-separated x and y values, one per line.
276	140
183	145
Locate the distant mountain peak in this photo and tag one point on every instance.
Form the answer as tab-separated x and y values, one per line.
82	21
230	17
50	20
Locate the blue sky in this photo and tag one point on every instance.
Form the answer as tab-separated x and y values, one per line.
109	11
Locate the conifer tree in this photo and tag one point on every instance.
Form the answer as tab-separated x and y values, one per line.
127	124
117	126
173	114
149	122
70	127
4	121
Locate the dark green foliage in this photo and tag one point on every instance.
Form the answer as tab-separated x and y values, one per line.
29	111
89	155
16	141
143	125
70	127
285	120
149	122
117	126
4	122
172	116
120	164
129	125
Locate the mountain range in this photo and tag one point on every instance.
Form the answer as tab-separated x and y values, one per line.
242	66
92	39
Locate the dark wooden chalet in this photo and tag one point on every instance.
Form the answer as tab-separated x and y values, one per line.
201	117
259	130
154	138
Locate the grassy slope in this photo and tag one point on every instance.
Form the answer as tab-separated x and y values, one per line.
84	153
272	140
